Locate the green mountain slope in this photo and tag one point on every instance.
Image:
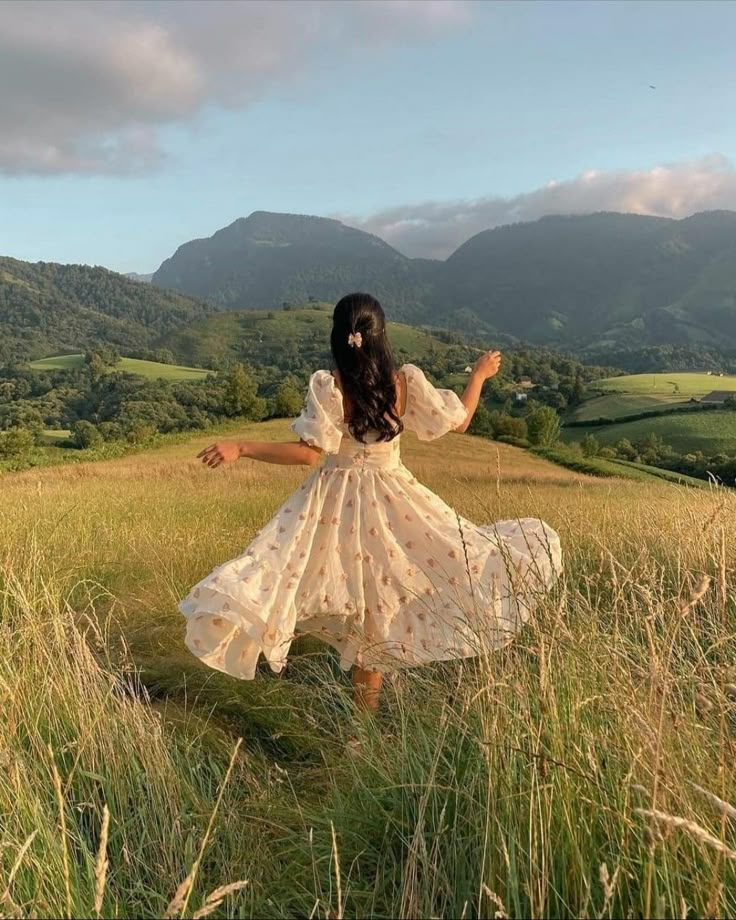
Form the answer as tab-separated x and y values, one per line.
266	259
603	279
47	308
599	282
297	337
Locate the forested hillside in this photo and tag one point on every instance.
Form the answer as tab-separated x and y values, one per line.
600	284
47	309
266	259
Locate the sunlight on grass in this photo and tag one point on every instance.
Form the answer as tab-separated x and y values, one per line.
562	777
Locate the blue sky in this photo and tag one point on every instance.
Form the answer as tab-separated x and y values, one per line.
137	126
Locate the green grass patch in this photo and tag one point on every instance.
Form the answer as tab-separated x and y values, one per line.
711	432
619	405
679	385
54	437
151	369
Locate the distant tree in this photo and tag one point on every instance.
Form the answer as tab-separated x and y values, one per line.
626	450
543	426
590	446
110	431
140	433
578	391
289	398
241	394
105	355
482	423
96	365
15	443
164	356
505	425
653	448
85	435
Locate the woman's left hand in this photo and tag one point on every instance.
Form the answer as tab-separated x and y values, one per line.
217	454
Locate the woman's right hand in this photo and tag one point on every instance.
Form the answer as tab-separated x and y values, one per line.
222	452
488	364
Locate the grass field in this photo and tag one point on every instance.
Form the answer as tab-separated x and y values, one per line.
619	405
584	771
53	437
711	432
634	393
151	369
662	385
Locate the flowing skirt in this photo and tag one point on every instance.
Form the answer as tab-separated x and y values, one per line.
376	565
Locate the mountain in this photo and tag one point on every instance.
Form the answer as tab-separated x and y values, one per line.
267	259
47	308
602	280
594	282
134	276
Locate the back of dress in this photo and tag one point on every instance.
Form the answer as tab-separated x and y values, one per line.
369	559
429	413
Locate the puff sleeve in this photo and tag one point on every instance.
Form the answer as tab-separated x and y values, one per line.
320	423
430	412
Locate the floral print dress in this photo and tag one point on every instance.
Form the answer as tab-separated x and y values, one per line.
370	560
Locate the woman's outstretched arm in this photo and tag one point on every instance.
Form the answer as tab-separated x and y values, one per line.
290	453
485	367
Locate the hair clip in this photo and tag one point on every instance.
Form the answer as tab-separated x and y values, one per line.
355	340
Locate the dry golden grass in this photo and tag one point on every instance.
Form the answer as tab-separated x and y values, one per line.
588	770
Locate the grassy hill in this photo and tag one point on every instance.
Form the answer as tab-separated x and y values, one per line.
503	784
151	369
47	308
711	432
632	393
666	386
280	336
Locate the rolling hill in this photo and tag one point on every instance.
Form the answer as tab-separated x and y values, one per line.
599	282
153	370
47	308
709	432
617	397
283	337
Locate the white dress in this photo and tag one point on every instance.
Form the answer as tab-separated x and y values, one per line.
368	559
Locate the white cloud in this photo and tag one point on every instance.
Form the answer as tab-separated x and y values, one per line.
84	86
436	229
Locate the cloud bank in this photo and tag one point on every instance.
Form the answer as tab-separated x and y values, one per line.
435	229
86	86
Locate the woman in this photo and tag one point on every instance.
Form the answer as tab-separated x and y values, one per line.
362	555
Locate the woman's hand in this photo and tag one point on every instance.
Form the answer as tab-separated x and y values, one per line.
488	364
217	454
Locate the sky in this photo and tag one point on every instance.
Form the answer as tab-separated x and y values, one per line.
128	128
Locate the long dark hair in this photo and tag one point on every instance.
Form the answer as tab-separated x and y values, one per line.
363	357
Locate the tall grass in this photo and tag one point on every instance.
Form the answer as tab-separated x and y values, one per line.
587	770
